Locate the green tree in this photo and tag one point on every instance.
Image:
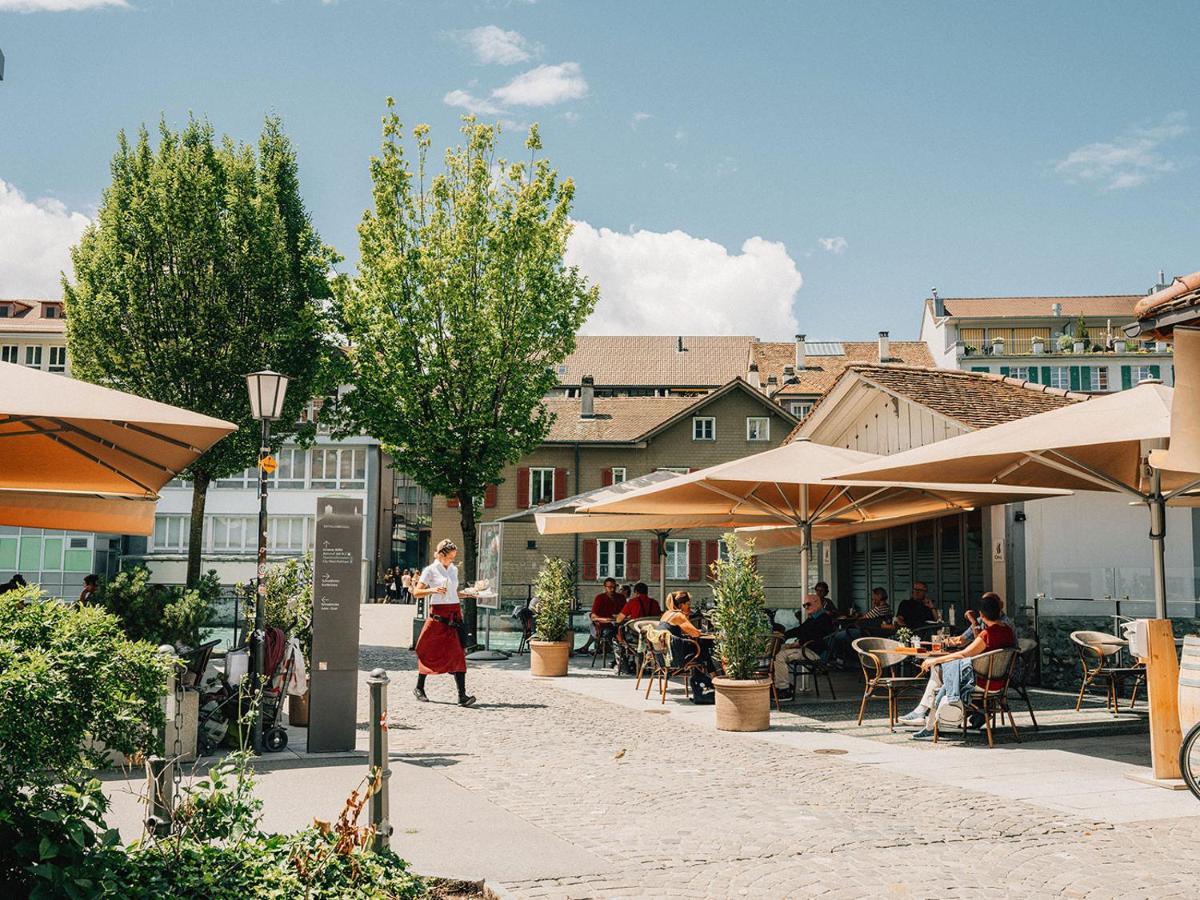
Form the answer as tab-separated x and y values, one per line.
461	308
202	265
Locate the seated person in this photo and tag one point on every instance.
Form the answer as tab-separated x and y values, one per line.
605	607
678	620
875	622
814	629
918	610
639	606
975	625
942	695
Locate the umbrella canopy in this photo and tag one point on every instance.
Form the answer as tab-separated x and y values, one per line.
75	455
1184	453
1097	445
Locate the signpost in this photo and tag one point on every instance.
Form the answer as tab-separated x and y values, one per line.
489	569
337	593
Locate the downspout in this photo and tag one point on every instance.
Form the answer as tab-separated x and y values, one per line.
578	490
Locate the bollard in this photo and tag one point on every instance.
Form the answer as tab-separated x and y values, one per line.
159	790
378	758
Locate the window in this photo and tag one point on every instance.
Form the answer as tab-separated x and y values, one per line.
1060	377
758	428
339	467
678	470
722	551
245	479
704	428
293	463
541	486
1141	373
234	533
1095	378
171	533
677	559
618	474
33	357
1021	373
611	561
9	354
5	310
800	408
286	534
58	359
51	312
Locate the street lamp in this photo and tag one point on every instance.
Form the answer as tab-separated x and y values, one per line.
267	390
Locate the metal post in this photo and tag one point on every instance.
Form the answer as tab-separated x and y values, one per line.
159	791
258	639
662	566
1158	531
378	758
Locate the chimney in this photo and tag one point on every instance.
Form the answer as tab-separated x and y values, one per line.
679	348
801	362
789	373
939	306
587	397
885	350
1056	309
753	379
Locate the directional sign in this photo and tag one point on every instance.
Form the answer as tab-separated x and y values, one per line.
268	464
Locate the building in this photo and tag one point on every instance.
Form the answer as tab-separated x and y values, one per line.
1073	343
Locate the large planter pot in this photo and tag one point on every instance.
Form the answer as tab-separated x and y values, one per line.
743	705
548	659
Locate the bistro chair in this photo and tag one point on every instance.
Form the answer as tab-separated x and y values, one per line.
605	635
993	666
524	618
1096	650
627	647
879	661
660	657
1023	669
764	666
815	663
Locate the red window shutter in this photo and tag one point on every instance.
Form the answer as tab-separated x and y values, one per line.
452	502
560	484
489	496
693	560
605	477
711	552
655	561
633	560
589	559
523	487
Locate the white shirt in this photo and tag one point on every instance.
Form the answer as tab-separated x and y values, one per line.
436	575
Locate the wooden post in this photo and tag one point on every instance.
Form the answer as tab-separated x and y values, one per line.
1162	683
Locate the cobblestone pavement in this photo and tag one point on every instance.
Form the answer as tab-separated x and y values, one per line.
677	810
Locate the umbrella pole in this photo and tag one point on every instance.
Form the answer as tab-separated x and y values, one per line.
805	546
1158	530
662	567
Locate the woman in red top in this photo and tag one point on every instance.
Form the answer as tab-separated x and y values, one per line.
439	649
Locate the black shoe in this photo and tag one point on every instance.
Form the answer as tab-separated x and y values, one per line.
976	720
785	693
466	700
420	695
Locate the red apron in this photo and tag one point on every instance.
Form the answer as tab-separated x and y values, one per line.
439	651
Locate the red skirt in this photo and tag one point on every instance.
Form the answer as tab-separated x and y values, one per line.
439	651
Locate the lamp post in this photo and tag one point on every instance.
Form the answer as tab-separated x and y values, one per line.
267	390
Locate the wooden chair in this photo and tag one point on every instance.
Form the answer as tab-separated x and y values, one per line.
659	657
878	659
1095	650
1018	682
813	663
993	670
764	666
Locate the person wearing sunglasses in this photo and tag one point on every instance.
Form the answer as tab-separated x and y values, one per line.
806	641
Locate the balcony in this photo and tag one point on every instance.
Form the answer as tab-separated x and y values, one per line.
1027	348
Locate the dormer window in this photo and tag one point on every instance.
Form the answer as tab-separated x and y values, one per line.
5	310
50	312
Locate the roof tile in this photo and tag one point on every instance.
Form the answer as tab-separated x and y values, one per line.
822	372
655	360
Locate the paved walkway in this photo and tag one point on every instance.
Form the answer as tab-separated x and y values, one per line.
578	787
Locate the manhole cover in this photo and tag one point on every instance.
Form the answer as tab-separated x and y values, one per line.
831	751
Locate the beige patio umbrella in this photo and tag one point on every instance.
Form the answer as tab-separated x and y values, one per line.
788	486
1184	453
77	456
1100	444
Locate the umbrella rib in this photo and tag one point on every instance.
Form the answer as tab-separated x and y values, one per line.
830	500
753	501
30	432
786	501
1183	490
859	504
98	461
1074	467
104	442
175	442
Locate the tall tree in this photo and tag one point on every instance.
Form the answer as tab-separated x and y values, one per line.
202	265
461	308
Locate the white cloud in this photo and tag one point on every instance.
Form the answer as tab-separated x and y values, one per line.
56	5
492	44
471	103
674	283
1129	160
833	244
544	86
639	118
35	237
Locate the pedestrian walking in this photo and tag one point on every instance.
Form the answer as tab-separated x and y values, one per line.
440	646
406	587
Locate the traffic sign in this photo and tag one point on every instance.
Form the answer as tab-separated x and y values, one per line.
268	464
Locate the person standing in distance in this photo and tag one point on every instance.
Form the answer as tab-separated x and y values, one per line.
439	649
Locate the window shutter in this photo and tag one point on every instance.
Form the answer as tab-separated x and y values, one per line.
980	369
633	560
1155	372
1126	377
606	477
1045	374
589	559
711	552
560	484
655	561
693	560
1033	374
452	502
489	496
1004	370
523	487
1075	378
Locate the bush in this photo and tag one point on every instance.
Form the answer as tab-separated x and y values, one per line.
555	592
288	603
739	613
161	614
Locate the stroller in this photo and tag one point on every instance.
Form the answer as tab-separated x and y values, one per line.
227	704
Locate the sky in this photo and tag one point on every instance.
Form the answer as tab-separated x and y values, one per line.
751	168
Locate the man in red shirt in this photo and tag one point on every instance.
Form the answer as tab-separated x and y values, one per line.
639	606
605	607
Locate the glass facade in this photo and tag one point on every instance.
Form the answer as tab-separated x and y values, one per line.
55	560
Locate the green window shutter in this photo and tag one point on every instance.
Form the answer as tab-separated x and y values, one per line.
980	369
1004	370
1045	375
1033	374
1074	378
1155	372
1126	377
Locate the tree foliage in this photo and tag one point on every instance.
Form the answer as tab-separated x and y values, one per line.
158	613
739	613
202	265
554	589
461	308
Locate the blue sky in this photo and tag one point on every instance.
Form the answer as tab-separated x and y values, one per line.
745	167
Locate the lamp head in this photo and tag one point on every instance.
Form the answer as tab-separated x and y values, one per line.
267	390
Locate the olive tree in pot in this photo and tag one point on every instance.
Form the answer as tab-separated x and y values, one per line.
555	592
743	700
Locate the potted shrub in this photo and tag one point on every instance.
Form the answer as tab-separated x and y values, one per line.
1065	342
743	699
1039	345
1119	345
550	648
997	346
970	350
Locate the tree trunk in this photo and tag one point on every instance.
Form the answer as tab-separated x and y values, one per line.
466	513
200	483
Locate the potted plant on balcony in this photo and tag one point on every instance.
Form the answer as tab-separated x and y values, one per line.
1065	342
550	649
1119	345
998	346
1039	344
743	698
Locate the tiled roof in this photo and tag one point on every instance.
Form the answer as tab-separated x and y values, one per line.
821	372
28	324
655	360
1119	305
27	316
617	419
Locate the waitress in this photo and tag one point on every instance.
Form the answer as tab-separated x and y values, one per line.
439	649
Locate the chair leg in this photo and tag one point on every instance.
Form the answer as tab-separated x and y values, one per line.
649	684
987	723
816	685
1029	703
1133	696
862	707
829	681
1082	688
1012	722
